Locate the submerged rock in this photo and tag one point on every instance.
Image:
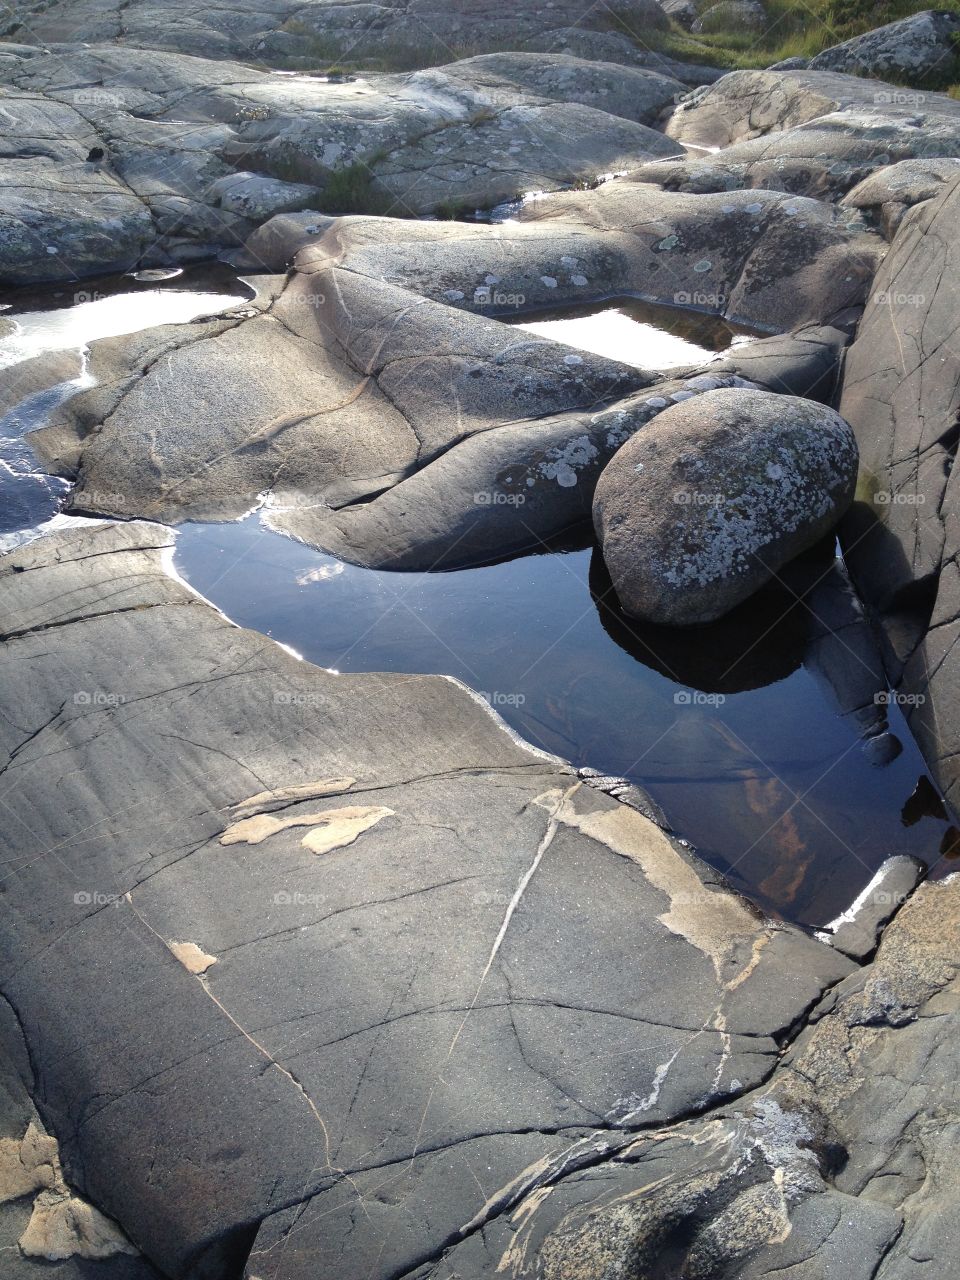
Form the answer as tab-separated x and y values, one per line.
698	512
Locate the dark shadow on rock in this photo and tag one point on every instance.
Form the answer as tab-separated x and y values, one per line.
884	579
759	642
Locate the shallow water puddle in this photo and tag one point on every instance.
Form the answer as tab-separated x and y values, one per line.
732	729
70	319
748	755
636	332
65	320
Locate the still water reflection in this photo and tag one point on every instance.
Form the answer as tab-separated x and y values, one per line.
732	728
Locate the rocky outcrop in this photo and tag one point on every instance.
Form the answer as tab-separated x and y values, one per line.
917	49
736	15
845	1160
173	157
312	952
752	104
682	11
380	363
900	393
45	1228
815	134
889	192
324	32
702	509
318	975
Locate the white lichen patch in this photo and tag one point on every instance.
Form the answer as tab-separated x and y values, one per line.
564	461
64	1226
193	958
341	827
287	795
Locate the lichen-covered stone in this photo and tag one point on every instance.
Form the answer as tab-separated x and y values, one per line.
698	512
909	50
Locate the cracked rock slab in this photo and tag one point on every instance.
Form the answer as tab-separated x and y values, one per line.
419	991
844	1160
176	157
901	393
328	32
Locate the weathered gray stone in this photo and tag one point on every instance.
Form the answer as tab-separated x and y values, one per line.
812	133
844	1162
325	32
260	143
790	64
915	49
890	191
45	1229
682	11
752	104
731	15
322	398
697	513
257	198
62	220
498	493
307	935
857	930
900	392
803	363
274	246
634	94
511	489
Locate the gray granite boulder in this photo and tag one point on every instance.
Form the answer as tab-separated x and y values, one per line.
915	49
58	221
322	398
698	512
498	493
682	11
322	33
174	157
731	16
752	104
817	134
889	192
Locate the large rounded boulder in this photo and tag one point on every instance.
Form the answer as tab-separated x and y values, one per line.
705	505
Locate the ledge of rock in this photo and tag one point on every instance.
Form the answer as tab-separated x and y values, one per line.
392	899
843	1161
